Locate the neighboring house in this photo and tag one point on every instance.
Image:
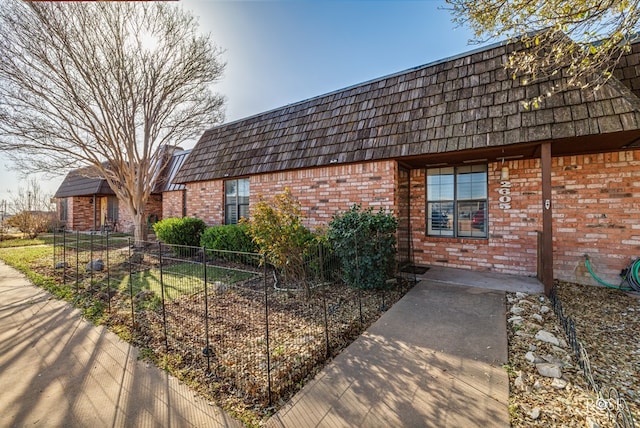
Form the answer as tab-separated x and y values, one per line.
477	180
174	195
85	202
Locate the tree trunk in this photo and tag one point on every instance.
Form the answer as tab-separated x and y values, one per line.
139	228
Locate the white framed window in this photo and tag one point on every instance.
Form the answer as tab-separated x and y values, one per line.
236	200
457	201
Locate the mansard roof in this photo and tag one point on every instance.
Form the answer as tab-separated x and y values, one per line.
83	182
464	103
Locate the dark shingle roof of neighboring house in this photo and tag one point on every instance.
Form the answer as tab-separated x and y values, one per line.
177	160
458	104
80	182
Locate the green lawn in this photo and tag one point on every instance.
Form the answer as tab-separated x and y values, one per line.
20	242
179	279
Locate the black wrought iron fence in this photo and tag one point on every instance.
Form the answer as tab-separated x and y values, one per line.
608	398
228	318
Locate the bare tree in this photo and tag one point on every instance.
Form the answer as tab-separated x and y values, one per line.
33	212
584	40
106	85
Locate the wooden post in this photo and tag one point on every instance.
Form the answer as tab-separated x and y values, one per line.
547	219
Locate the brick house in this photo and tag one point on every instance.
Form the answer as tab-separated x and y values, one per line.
85	202
477	180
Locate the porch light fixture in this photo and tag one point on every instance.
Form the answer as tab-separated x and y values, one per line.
504	173
433	165
475	160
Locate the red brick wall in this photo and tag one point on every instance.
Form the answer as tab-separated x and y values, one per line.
172	204
596	203
322	192
512	243
205	200
81	213
596	211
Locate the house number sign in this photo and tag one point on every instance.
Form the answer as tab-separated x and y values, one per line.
505	195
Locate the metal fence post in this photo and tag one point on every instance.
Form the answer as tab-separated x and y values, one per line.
91	258
326	324
108	275
133	318
266	322
77	261
207	349
64	257
164	311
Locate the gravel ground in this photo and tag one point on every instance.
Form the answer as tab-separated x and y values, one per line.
607	322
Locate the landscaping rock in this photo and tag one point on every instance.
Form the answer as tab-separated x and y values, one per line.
549	370
62	265
95	265
516	310
537	317
535	413
519	382
559	383
547	337
516	320
532	358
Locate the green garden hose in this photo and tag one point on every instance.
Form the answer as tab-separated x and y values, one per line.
631	275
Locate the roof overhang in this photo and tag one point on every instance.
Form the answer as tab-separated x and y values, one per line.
590	144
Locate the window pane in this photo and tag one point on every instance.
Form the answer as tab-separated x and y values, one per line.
230	187
472	219
231	214
112	208
440	184
243	187
244	211
440	218
236	200
472	182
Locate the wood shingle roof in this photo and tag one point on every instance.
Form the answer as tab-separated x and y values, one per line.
82	182
463	103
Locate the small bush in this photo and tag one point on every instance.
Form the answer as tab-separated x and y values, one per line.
180	231
31	224
228	237
276	227
366	244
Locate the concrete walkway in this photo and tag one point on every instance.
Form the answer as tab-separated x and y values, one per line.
433	360
58	370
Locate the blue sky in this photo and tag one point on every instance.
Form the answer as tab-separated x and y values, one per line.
281	52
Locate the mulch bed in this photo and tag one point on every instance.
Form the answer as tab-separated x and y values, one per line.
231	368
607	322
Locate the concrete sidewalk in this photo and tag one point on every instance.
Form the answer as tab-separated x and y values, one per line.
58	370
434	359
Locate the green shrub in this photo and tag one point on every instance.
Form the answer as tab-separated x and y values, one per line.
276	227
228	237
365	242
180	231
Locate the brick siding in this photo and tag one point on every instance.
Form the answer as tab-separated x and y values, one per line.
80	214
172	204
596	211
322	192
